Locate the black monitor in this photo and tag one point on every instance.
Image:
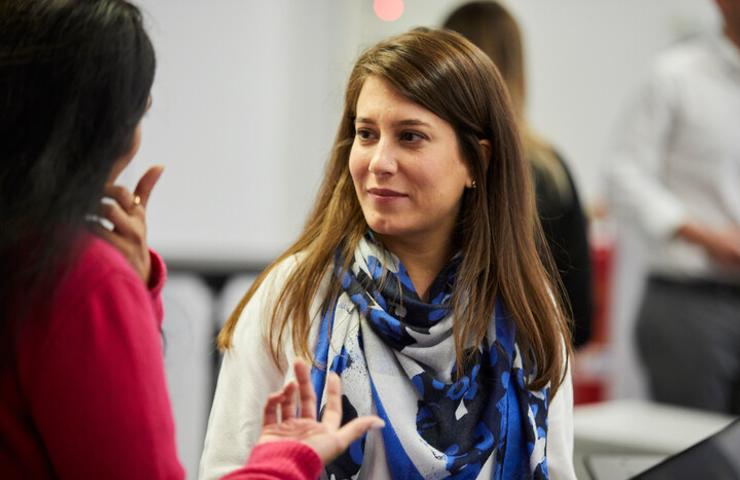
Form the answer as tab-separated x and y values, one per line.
716	457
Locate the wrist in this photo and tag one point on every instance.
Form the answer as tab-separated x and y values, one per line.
693	233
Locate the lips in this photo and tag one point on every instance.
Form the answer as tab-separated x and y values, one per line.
385	193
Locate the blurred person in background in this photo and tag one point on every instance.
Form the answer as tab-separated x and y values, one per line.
82	383
675	173
495	31
418	280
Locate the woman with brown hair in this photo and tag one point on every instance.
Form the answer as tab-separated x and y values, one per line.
418	279
495	31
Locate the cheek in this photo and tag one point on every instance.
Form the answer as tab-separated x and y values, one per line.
357	165
135	143
449	184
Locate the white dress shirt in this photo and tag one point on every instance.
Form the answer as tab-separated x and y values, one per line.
676	156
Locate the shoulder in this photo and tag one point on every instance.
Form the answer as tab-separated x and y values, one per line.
281	272
273	283
98	298
98	266
553	183
259	310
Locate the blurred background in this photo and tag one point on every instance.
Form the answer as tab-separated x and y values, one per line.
245	104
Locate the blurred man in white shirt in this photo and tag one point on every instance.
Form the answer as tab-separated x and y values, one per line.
676	173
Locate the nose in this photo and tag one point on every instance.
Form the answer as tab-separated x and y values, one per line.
383	161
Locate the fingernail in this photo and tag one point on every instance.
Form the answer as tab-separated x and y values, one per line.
378	423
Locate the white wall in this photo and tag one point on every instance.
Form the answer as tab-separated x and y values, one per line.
245	102
248	94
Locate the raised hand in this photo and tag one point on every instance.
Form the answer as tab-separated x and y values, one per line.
284	421
127	214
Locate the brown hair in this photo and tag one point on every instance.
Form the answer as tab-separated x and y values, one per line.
495	31
498	227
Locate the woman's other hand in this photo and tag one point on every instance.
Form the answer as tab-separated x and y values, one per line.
326	438
127	214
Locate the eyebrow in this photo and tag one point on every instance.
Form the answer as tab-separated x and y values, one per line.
413	122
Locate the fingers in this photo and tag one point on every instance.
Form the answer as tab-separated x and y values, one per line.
122	223
121	195
146	183
332	417
270	414
288	403
305	390
143	189
357	428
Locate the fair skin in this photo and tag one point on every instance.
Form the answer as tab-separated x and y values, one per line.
722	245
409	177
287	417
127	217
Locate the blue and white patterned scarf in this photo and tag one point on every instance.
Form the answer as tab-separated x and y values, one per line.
396	357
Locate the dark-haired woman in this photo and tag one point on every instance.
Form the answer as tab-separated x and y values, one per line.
418	280
82	385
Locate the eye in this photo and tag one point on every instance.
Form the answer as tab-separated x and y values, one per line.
411	137
365	134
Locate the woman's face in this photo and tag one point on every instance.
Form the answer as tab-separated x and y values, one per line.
407	169
123	161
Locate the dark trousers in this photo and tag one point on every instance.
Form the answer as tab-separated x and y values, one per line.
688	336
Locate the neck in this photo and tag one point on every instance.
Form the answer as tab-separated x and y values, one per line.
423	259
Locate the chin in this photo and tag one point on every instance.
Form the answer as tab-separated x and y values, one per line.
385	227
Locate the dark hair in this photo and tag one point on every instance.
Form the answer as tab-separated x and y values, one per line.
75	78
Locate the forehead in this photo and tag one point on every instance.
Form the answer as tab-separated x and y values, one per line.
378	100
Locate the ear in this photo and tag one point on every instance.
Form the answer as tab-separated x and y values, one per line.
485	146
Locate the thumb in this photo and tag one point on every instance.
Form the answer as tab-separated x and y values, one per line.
356	428
147	181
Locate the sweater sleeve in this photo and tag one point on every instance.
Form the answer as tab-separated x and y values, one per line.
283	460
97	389
157	279
560	432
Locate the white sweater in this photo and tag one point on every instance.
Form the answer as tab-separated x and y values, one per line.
248	375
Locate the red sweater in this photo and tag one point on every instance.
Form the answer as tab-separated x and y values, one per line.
87	397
